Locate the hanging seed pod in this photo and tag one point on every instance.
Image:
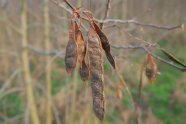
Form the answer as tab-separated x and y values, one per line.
173	58
84	71
80	44
151	68
96	73
71	51
81	50
105	44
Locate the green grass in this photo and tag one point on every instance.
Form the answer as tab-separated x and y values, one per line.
11	105
160	92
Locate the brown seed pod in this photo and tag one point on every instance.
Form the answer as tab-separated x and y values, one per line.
105	44
96	73
151	68
80	44
84	71
173	58
71	51
81	50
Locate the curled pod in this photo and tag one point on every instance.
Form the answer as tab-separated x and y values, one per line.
81	51
71	50
94	51
80	44
84	70
151	68
105	44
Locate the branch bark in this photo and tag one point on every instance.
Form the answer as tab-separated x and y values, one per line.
26	68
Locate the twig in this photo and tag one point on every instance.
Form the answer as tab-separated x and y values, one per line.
119	21
43	52
126	86
9	80
106	12
142	47
165	61
73	8
141	82
133	21
145	48
59	4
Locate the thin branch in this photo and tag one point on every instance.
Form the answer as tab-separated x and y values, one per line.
142	47
145	48
133	21
119	21
59	4
73	8
165	61
106	13
43	52
9	80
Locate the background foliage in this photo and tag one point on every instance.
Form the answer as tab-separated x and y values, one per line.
164	100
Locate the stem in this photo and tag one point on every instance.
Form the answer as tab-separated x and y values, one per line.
26	68
48	64
106	12
69	4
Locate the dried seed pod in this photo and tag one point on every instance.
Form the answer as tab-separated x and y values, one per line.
71	51
84	71
96	73
81	50
119	91
105	44
151	68
80	44
173	58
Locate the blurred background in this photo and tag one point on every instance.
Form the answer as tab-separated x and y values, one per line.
34	85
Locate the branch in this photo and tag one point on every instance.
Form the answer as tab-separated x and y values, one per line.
58	53
117	21
59	4
73	8
106	13
132	21
145	48
43	52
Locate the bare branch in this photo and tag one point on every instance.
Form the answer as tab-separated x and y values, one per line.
119	21
43	52
106	12
59	4
73	8
132	21
165	61
145	48
58	53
